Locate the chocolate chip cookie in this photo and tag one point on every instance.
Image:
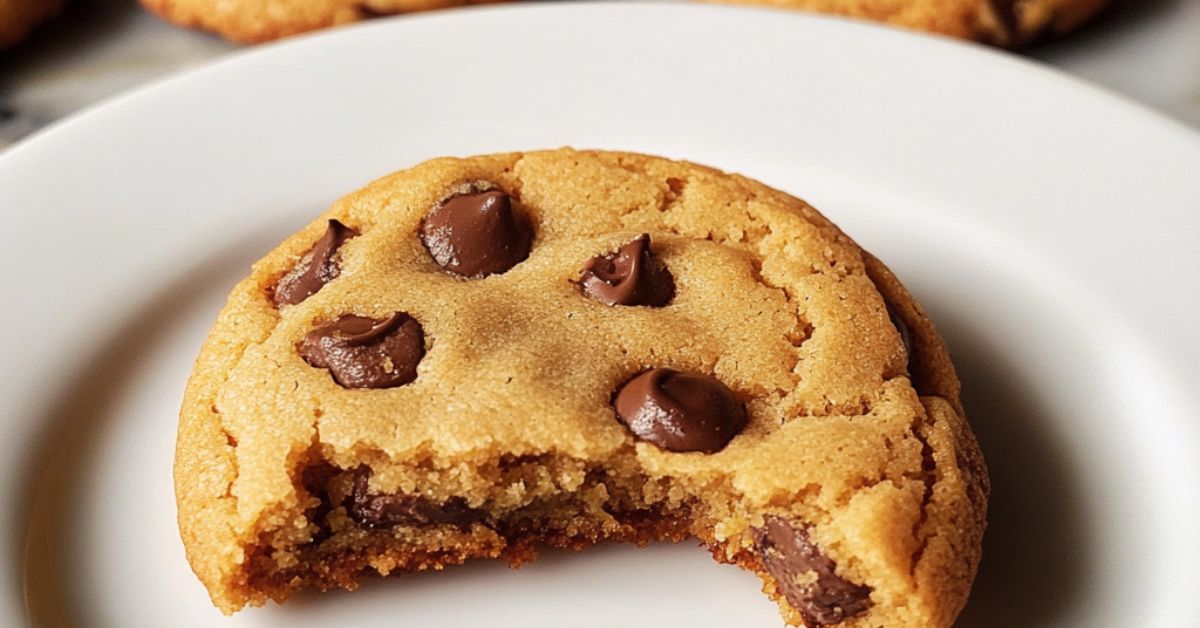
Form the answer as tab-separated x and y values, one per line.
1009	23
18	17
480	357
252	21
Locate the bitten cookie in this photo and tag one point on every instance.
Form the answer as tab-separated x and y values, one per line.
479	357
1009	23
252	21
18	17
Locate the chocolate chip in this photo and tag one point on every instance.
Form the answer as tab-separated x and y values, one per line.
315	479
476	233
628	277
680	411
806	577
365	352
374	511
315	269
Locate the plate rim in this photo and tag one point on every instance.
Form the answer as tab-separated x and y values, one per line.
62	129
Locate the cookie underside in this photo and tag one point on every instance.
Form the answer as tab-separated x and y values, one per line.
287	481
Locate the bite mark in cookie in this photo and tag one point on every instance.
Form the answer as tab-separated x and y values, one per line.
381	510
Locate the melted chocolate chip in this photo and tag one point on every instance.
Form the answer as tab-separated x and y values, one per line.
806	577
317	268
476	234
680	411
365	352
374	510
628	277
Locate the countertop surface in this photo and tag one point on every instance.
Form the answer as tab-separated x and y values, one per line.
1148	50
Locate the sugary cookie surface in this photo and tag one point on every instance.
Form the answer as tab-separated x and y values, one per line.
480	356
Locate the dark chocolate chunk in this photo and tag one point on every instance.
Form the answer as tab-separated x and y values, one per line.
364	352
476	234
628	277
317	268
806	577
315	480
374	510
680	411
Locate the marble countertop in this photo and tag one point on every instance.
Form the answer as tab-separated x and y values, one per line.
1148	50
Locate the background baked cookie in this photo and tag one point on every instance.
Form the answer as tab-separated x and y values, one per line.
1010	23
1002	22
253	21
18	17
478	357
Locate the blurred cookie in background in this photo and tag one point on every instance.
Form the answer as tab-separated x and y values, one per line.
1008	23
18	17
252	21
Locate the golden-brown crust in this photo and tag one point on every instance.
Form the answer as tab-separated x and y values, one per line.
955	509
956	512
18	17
930	365
825	365
204	477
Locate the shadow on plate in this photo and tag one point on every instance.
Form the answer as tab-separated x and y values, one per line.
1119	16
1036	558
1036	555
80	416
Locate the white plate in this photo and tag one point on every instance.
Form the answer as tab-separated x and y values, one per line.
1048	227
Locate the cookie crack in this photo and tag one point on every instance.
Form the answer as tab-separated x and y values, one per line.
231	441
239	354
929	477
518	184
676	186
